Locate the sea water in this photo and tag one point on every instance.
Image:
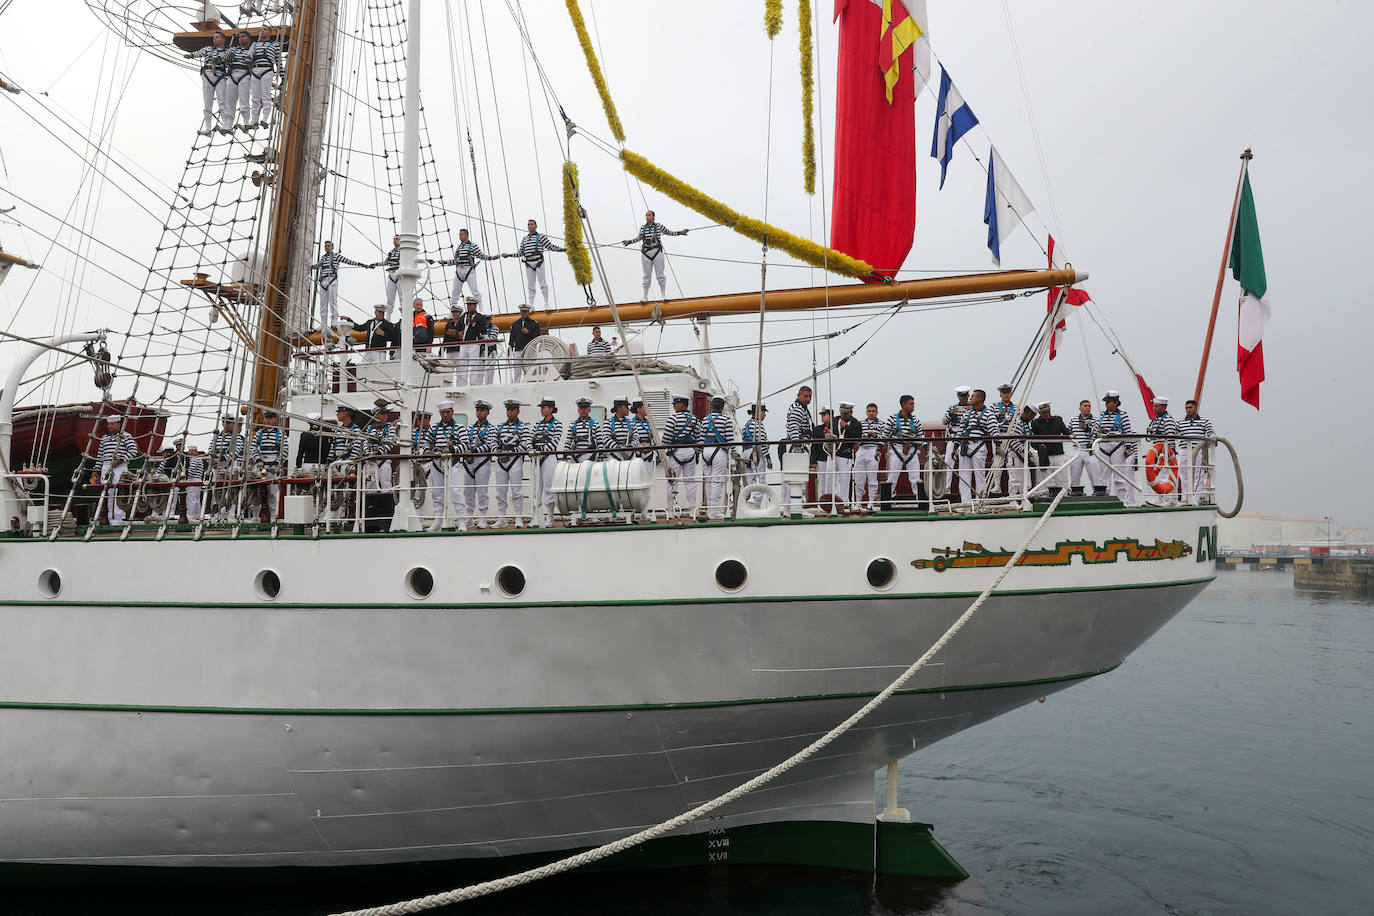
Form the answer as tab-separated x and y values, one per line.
1227	767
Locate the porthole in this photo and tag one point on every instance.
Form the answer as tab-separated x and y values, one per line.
881	572
420	581
268	584
511	580
50	583
731	575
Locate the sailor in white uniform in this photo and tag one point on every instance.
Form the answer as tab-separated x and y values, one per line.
643	435
241	78
545	439
954	426
1164	428
466	254
979	424
477	464
583	437
266	59
1017	450
268	451
616	433
117	449
1193	453
682	433
717	448
904	457
381	433
391	271
194	471
344	452
651	254
513	438
227	449
214	74
1119	452
866	459
757	459
328	282
1084	430
422	443
531	254
446	474
799	427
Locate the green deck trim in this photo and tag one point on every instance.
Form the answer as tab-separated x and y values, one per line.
637	602
287	532
538	710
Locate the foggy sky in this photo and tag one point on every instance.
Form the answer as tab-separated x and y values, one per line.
1141	111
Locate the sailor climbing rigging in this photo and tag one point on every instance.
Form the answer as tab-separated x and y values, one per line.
651	254
531	253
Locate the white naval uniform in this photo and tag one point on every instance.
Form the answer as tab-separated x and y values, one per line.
240	75
445	478
464	261
1084	432
755	457
1015	464
973	455
651	255
1193	458
901	457
532	248
391	271
328	268
799	426
113	456
508	475
1118	454
267	450
717	438
544	440
477	472
266	62
866	463
214	73
683	432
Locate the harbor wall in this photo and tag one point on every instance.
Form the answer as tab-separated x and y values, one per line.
1341	573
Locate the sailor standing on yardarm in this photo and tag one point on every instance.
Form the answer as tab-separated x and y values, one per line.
531	254
240	75
214	73
328	282
266	65
464	263
651	254
391	271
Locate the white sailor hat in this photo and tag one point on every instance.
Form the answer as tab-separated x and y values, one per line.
379	307
524	306
445	405
338	408
1112	395
423	413
481	404
1043	405
192	447
621	399
470	300
1161	400
681	398
584	402
115	418
227	418
512	402
314	415
717	402
963	389
1005	386
846	405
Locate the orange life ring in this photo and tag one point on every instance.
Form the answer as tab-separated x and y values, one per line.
1161	468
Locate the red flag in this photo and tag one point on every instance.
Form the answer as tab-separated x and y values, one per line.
1148	394
1075	297
873	212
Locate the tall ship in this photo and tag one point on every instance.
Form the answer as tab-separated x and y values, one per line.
365	622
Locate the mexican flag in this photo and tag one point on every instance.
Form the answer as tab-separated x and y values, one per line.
1247	266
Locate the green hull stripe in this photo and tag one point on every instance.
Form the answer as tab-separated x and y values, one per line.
539	710
289	532
644	602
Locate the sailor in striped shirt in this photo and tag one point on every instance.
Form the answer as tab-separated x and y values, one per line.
266	63
547	434
422	443
1017	450
616	433
1006	411
447	438
582	434
514	437
381	440
954	422
683	433
718	444
1119	453
477	464
1164	429
328	282
214	83
643	433
531	252
269	451
226	447
757	461
1195	453
866	459
464	264
1084	429
651	254
117	448
240	75
598	345
391	270
979	424
904	457
799	426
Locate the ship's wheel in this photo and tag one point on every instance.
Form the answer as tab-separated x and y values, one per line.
543	358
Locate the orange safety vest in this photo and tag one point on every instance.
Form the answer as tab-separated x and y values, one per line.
419	319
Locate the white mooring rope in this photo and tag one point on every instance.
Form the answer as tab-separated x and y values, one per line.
510	882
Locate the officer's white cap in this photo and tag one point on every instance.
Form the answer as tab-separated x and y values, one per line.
1112	395
621	399
846	405
338	408
1161	401
445	405
512	402
1042	404
479	403
379	308
524	307
963	389
312	416
584	402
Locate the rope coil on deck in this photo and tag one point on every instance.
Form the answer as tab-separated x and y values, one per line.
510	882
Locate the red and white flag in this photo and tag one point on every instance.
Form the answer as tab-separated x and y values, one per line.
1074	297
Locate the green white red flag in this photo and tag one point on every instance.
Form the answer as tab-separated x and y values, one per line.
1247	266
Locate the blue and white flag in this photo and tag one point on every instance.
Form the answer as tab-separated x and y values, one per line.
1005	205
953	119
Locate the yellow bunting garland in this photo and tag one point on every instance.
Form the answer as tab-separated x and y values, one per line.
772	17
808	99
802	249
612	118
578	255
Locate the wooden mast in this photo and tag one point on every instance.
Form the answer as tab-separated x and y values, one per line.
273	349
791	300
1245	158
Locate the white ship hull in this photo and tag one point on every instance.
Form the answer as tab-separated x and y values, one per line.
346	722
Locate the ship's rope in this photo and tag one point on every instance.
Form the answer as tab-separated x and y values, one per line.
473	891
